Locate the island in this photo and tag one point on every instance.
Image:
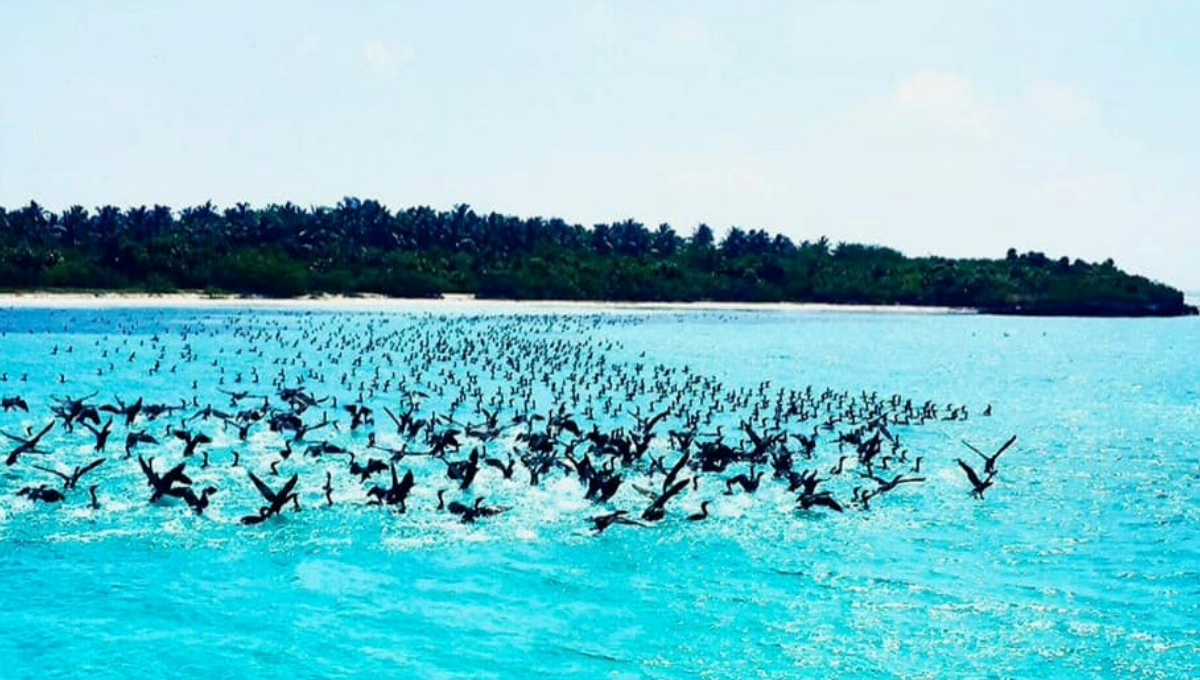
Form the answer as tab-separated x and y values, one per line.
362	247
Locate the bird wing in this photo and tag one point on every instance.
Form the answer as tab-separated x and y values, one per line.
969	446
670	478
89	467
52	471
177	473
670	493
970	473
1004	448
645	492
827	501
655	420
41	434
263	489
287	488
146	468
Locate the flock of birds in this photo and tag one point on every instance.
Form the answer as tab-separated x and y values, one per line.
267	414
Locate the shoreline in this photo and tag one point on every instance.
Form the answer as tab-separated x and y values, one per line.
447	303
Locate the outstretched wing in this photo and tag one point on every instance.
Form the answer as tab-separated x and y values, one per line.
41	434
655	421
1004	448
56	473
827	501
146	468
287	488
90	466
661	501
970	473
969	446
670	478
263	489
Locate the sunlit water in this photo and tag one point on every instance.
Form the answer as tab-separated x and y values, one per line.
1083	561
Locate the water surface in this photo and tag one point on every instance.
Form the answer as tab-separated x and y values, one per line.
1083	562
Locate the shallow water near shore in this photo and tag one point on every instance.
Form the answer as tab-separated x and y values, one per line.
1083	561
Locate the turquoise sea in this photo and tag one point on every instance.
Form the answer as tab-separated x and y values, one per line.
1083	561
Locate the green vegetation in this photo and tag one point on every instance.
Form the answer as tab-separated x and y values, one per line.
362	247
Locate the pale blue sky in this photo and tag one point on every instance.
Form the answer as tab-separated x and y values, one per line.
956	128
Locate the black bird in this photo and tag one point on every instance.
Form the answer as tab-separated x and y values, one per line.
101	434
479	510
328	488
887	485
76	410
191	441
823	498
9	403
749	483
989	462
979	485
163	485
600	523
130	412
469	513
29	445
42	494
454	507
275	500
197	503
505	469
134	438
464	471
70	480
364	472
702	515
397	494
359	415
657	510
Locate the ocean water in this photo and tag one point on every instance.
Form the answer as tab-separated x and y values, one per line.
1082	562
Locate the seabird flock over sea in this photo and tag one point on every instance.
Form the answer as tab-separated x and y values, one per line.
275	414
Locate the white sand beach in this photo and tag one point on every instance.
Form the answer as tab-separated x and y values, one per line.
447	303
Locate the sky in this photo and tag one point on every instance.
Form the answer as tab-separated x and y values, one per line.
958	128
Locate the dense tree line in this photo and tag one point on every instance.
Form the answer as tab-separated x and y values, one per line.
360	246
